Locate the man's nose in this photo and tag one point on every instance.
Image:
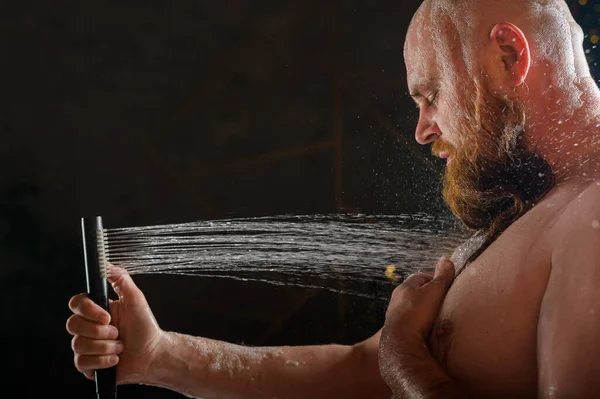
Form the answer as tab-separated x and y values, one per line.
427	130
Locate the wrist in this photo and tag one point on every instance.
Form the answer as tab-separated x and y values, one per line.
413	372
166	359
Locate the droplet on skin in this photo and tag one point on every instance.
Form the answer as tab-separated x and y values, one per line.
292	363
551	392
595	224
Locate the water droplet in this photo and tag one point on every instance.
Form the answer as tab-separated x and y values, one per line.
595	224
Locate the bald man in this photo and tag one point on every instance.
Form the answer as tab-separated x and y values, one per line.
506	97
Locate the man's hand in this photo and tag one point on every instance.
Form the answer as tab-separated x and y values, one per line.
130	338
405	362
416	302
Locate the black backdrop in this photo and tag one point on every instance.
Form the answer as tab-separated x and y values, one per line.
153	113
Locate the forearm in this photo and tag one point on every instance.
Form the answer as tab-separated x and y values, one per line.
205	368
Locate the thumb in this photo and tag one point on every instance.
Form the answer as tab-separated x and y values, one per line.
444	272
123	284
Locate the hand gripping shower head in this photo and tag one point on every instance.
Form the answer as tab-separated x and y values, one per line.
94	251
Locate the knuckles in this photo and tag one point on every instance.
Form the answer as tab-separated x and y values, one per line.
77	325
77	344
81	364
76	302
72	324
83	346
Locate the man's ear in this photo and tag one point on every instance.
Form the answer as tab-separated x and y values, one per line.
512	53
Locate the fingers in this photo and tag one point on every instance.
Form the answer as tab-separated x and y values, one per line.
114	271
123	284
417	280
86	346
89	374
444	272
83	306
87	364
79	325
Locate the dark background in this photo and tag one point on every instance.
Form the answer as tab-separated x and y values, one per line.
153	113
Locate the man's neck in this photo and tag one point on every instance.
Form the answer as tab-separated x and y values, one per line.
570	141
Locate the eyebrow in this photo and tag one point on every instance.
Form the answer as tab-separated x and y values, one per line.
419	87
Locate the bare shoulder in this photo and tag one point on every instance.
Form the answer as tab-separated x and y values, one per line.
579	217
583	211
567	329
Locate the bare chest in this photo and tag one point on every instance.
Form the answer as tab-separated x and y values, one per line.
486	333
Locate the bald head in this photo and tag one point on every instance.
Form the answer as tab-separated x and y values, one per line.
461	28
494	79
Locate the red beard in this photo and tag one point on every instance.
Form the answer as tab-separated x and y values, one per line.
493	179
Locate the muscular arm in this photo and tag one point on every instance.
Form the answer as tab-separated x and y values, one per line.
205	368
569	324
209	369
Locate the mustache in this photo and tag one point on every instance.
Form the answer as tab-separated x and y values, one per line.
440	147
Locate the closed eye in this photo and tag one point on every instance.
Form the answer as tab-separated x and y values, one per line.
430	101
433	99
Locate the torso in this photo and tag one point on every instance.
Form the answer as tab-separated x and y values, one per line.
485	336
